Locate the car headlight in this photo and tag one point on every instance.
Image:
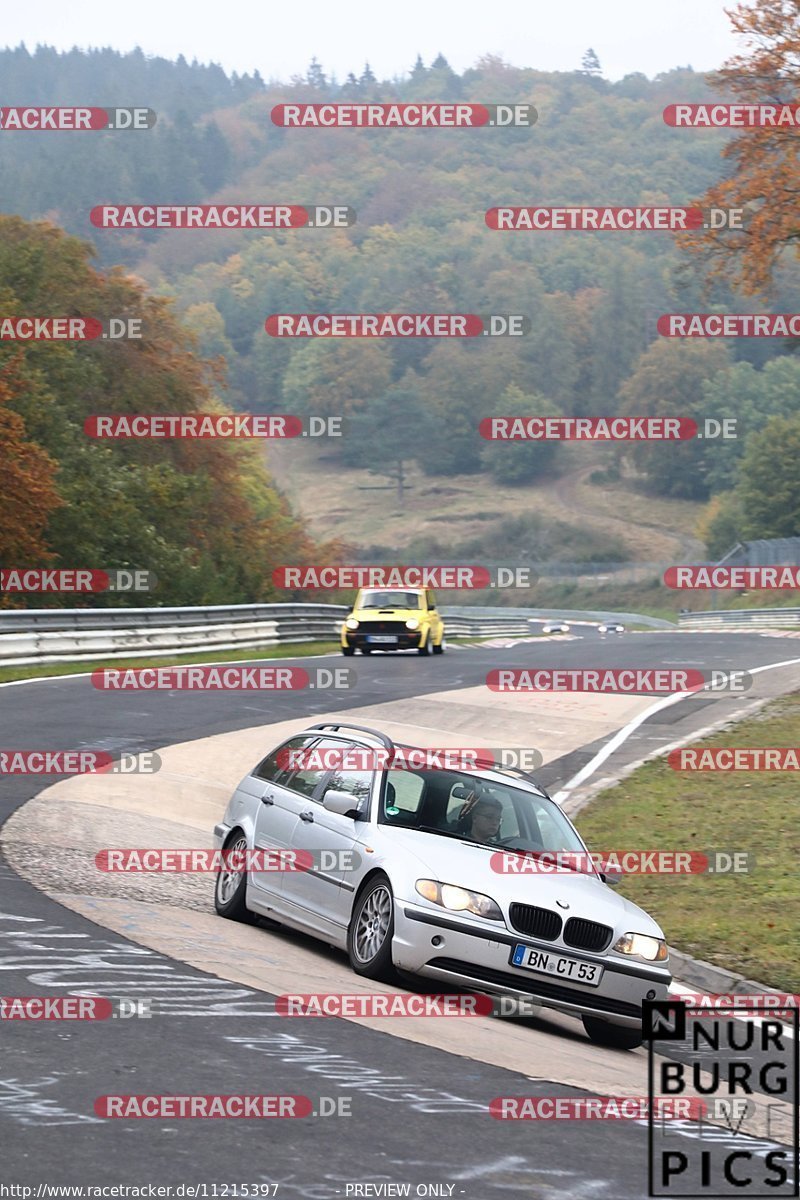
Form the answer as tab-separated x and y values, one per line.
351	623
459	899
654	949
412	623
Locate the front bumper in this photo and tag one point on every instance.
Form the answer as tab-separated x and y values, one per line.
409	639
478	958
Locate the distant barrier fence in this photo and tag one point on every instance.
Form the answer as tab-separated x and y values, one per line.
741	618
33	636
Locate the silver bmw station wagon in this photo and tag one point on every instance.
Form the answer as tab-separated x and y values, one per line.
414	868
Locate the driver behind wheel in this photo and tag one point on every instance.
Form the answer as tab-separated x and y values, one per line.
480	817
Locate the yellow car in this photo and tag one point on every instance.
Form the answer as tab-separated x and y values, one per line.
393	619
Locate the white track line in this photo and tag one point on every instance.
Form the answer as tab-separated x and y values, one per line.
623	734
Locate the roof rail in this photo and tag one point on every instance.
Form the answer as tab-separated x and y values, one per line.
528	776
336	725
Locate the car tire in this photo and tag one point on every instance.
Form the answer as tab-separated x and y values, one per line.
369	935
425	648
440	648
348	651
230	888
619	1037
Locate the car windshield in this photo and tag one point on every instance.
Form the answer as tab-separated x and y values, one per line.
389	600
457	804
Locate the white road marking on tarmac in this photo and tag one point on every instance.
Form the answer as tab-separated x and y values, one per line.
623	734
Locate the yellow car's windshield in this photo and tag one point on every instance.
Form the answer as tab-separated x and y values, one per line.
389	599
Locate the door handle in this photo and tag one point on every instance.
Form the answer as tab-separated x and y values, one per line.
307	816
267	798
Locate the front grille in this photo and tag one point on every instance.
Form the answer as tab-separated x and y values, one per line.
587	935
398	627
546	991
536	922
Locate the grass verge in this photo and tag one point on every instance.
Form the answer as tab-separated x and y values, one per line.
301	650
746	923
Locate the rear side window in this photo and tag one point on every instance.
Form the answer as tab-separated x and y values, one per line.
277	767
307	779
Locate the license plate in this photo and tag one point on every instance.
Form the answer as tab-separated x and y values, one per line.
384	639
547	963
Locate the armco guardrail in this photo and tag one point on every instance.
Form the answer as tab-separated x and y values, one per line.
741	618
587	616
29	619
34	636
576	615
39	636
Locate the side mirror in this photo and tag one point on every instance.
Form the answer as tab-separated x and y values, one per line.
611	878
343	803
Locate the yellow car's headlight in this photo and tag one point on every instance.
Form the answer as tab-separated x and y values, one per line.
641	944
458	899
412	623
351	623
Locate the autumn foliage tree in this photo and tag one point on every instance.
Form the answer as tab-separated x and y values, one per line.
764	178
27	492
202	515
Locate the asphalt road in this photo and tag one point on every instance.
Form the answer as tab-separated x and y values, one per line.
418	1115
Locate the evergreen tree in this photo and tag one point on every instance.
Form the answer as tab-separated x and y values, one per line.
214	155
315	77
